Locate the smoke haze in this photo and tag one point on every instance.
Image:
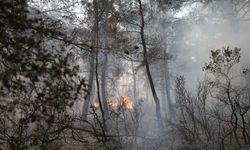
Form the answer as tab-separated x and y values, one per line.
216	25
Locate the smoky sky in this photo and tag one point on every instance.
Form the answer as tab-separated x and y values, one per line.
208	28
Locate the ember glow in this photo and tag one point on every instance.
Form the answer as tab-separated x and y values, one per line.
95	104
128	103
114	104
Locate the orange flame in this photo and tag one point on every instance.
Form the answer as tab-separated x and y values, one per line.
128	103
114	104
95	104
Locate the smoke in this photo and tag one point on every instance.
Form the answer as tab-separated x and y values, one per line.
210	27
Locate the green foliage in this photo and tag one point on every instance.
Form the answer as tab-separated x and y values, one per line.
38	85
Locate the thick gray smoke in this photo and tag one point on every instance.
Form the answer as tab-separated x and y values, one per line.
210	27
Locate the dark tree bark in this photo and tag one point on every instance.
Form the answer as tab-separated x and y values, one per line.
96	13
105	61
103	86
151	83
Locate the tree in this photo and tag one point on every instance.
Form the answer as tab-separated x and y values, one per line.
217	116
156	99
38	85
227	90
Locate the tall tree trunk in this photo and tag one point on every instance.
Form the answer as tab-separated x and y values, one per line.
134	81
163	97
96	49
103	125
90	86
105	59
103	86
167	81
94	70
151	83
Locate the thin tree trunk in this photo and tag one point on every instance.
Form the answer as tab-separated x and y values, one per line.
105	60
134	81
163	97
167	80
156	99
103	125
90	86
96	12
103	86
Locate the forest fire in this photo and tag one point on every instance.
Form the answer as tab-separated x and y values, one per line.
95	104
126	103
114	104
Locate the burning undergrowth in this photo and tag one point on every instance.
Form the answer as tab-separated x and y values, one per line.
122	121
124	103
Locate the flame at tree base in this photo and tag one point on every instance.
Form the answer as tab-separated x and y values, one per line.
126	103
95	104
114	104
